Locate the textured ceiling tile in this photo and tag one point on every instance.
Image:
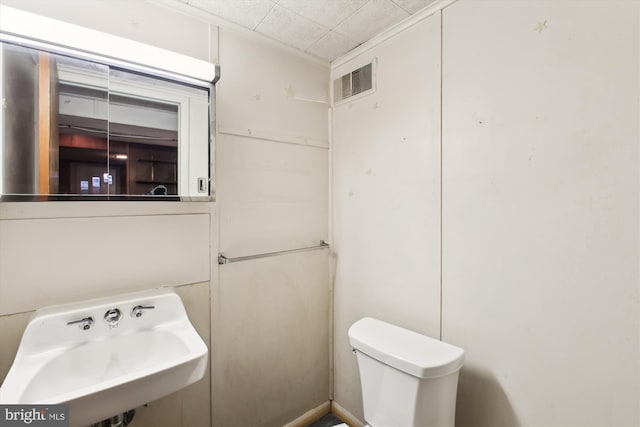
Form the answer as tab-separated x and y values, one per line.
412	6
371	19
332	46
326	12
248	13
290	28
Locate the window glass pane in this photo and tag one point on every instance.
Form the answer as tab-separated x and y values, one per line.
74	127
80	117
144	133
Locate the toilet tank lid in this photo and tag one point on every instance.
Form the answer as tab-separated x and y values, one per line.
408	351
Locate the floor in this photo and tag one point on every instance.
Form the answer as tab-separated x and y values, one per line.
326	421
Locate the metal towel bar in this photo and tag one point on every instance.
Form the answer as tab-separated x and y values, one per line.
222	259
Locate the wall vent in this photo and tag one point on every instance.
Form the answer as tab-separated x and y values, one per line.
357	82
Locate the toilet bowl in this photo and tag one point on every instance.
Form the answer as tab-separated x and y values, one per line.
407	379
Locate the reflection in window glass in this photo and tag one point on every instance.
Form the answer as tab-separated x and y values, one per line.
74	127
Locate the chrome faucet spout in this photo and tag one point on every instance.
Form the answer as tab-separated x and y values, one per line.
112	317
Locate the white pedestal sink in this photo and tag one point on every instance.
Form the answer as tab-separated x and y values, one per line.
106	356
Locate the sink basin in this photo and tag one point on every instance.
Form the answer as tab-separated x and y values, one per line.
105	356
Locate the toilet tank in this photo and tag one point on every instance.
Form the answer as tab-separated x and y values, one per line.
407	379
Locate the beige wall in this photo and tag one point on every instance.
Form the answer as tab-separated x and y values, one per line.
54	253
540	207
270	317
540	253
386	197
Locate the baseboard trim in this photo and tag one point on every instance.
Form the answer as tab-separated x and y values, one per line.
311	415
345	415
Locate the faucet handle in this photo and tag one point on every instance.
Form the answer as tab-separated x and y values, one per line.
84	323
138	310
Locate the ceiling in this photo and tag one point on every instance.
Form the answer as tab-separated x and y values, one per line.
323	28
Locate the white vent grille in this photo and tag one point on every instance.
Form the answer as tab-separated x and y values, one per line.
357	82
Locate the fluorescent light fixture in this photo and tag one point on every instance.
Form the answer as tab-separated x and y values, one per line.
22	27
121	156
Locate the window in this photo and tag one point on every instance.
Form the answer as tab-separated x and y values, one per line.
92	128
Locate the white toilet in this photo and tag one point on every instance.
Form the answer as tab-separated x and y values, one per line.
408	379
